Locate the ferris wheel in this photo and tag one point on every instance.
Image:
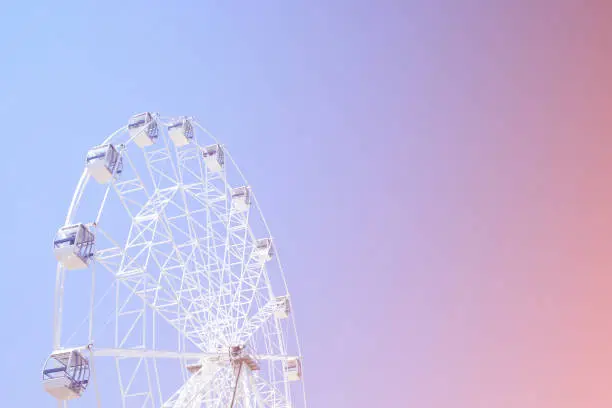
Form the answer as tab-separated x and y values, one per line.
169	289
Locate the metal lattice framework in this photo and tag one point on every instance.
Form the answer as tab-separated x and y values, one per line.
183	302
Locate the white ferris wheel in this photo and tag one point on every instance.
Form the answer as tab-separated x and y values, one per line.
169	289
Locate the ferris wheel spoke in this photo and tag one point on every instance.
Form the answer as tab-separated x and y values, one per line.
189	189
215	198
204	385
160	230
191	281
252	299
166	305
260	321
225	313
267	395
131	189
237	251
257	321
209	357
131	387
201	389
159	162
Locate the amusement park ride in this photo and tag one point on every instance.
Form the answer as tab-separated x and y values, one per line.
167	262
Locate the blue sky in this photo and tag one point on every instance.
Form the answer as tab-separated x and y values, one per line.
287	86
405	154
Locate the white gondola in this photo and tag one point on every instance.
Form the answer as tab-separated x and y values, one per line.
143	129
213	157
241	198
73	246
283	307
103	162
264	250
66	374
293	369
180	131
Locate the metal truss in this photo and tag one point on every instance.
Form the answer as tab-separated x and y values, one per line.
183	266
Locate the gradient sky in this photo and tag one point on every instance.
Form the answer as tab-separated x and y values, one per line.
436	174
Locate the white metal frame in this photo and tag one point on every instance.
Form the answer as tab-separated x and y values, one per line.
186	262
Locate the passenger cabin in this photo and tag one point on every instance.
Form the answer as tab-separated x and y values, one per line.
241	198
143	129
66	374
103	162
264	251
180	131
283	307
293	369
73	246
213	157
